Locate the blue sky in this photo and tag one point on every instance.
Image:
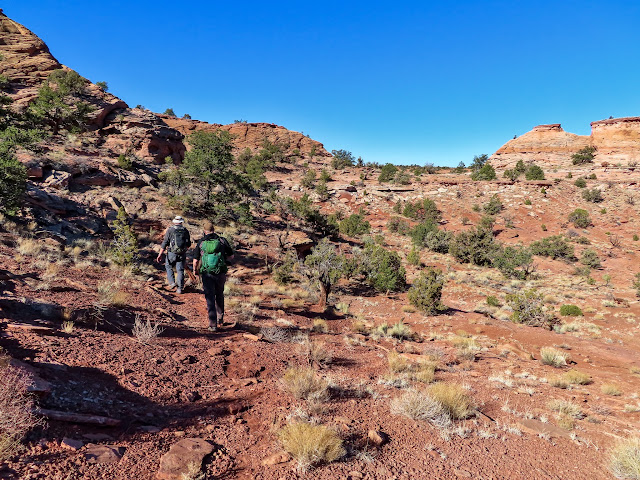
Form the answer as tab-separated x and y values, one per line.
402	82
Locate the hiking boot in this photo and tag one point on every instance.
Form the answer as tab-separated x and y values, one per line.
213	328
179	291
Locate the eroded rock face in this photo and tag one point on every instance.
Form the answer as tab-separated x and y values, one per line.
617	140
252	135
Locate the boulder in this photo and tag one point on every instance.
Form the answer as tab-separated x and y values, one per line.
103	454
177	460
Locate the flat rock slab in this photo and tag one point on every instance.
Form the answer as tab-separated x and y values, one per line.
536	427
175	462
103	454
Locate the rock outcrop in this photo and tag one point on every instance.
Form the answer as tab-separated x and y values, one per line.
252	135
617	141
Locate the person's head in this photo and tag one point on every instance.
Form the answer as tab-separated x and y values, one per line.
207	226
178	220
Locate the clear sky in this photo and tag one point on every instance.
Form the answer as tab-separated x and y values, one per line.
401	82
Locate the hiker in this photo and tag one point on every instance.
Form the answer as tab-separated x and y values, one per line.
210	262
176	243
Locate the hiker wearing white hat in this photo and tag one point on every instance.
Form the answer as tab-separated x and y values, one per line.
176	243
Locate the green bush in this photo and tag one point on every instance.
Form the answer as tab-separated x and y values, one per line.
493	301
593	195
382	268
124	246
426	292
419	233
325	176
528	309
487	172
555	247
590	259
584	155
570	311
309	179
534	172
341	159
635	237
414	257
398	225
475	246
527	201
438	241
125	162
324	267
580	218
493	206
169	112
322	190
580	182
636	284
283	273
402	178
13	183
354	225
425	209
387	173
514	262
592	177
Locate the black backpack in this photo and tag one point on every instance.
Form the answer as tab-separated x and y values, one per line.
180	241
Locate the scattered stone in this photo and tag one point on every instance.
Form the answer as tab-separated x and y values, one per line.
536	427
184	358
71	444
191	396
215	351
378	437
355	475
252	337
276	459
187	451
103	454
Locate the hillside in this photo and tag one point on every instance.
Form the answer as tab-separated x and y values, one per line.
525	367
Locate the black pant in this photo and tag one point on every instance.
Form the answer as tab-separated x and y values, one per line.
213	286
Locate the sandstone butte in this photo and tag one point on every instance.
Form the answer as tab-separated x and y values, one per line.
617	141
27	61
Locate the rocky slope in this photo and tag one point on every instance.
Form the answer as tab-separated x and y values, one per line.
617	141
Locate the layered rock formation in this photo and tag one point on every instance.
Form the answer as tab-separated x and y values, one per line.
252	135
617	141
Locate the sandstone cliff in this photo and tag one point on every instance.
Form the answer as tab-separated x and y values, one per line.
617	141
252	135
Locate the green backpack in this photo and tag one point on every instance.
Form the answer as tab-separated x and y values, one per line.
212	260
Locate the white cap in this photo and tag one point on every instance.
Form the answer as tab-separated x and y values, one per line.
178	220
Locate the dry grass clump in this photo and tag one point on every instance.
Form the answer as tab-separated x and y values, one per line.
419	405
554	357
110	293
421	371
311	444
30	247
193	472
576	377
317	352
306	384
16	406
400	331
320	326
625	459
146	332
564	407
453	398
358	326
398	363
611	389
67	327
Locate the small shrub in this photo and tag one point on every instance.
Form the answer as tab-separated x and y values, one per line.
493	301
382	268
125	162
555	247
354	225
635	237
592	177
311	444
398	225
438	241
528	308
564	407
534	172
624	460
475	246
580	218
419	233
398	363
592	195
426	292
387	173
400	330
124	246
570	311
554	357
414	257
515	262
580	182
493	206
341	159
425	209
584	155
636	284
486	172
527	201
590	259
306	384
309	179
67	327
320	326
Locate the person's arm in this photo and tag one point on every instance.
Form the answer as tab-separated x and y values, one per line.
228	251
196	260
163	245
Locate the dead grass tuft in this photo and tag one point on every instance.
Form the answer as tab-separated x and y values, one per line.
146	332
625	459
611	389
554	357
320	326
453	398
110	293
423	406
306	384
311	444
564	407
